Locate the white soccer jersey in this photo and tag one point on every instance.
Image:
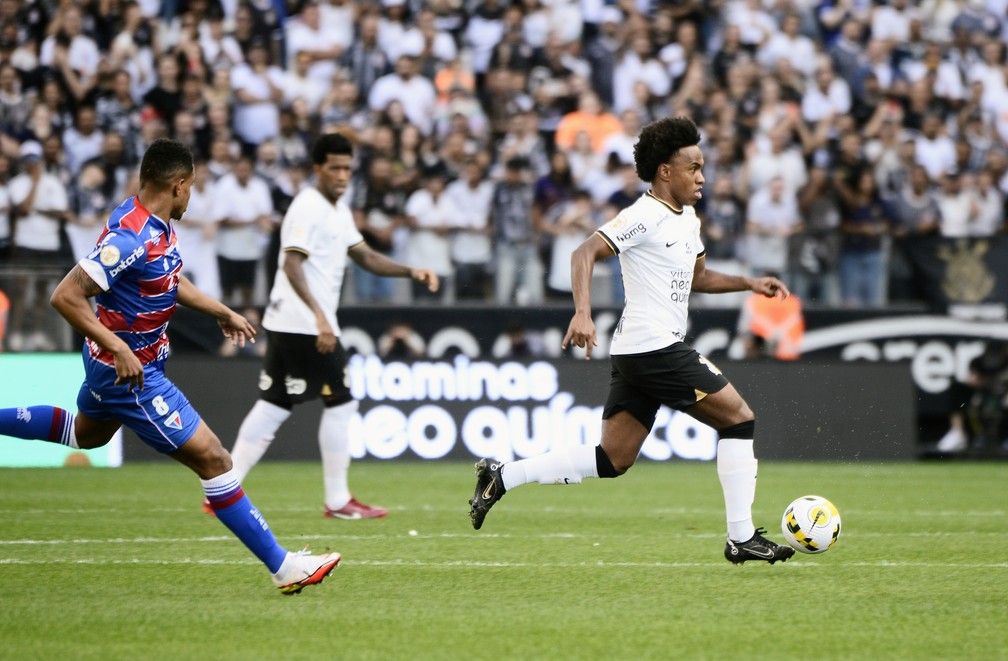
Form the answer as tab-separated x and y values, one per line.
658	248
324	232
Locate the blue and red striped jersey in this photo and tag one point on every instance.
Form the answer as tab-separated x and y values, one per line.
137	265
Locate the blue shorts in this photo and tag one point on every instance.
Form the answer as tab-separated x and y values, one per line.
159	414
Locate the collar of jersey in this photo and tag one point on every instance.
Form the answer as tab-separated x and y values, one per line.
164	224
651	194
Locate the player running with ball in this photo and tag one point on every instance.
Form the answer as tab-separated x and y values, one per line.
662	257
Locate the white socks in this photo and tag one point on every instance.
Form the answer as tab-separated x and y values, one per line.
334	445
736	467
255	435
565	465
260	426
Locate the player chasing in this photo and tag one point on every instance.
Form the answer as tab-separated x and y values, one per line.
134	273
661	254
304	358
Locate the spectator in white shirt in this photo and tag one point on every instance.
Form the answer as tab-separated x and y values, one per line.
754	23
220	49
828	97
196	232
415	92
989	202
775	157
484	31
338	19
307	38
39	202
772	217
244	210
258	89
430	216
933	148
74	54
83	140
299	84
470	197
433	46
392	25
622	143
638	64
891	21
789	44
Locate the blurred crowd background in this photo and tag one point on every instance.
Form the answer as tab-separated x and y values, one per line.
494	136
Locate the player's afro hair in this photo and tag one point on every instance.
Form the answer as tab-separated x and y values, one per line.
331	143
661	139
164	162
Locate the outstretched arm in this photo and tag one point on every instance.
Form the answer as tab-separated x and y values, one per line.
581	331
71	300
706	281
234	326
377	263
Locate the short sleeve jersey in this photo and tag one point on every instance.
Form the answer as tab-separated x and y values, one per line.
137	265
658	248
325	233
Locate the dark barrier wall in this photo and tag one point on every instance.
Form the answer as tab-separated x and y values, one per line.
460	409
937	349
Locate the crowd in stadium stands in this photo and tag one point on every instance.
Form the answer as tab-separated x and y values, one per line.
494	135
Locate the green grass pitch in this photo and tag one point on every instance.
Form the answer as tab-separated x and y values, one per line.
123	564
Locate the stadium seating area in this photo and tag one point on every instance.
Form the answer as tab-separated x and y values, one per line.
835	134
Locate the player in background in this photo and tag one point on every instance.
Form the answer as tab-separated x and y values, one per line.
134	273
304	358
661	254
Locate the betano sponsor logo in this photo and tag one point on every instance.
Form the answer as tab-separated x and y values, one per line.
126	263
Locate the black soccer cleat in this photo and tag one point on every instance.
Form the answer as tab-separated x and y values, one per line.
489	489
757	548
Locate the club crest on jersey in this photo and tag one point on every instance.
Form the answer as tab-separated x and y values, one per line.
174	420
108	255
153	233
618	223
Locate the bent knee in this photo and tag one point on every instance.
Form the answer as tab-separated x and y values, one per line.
91	434
217	459
622	465
90	442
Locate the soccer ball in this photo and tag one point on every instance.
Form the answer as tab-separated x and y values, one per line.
811	524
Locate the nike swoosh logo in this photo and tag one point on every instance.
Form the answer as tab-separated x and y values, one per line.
669	245
487	492
763	553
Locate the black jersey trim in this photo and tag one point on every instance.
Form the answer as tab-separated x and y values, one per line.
671	208
609	242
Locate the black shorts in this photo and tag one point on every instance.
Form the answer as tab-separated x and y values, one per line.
676	376
294	371
236	272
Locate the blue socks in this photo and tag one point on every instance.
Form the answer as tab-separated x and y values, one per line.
237	512
39	423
